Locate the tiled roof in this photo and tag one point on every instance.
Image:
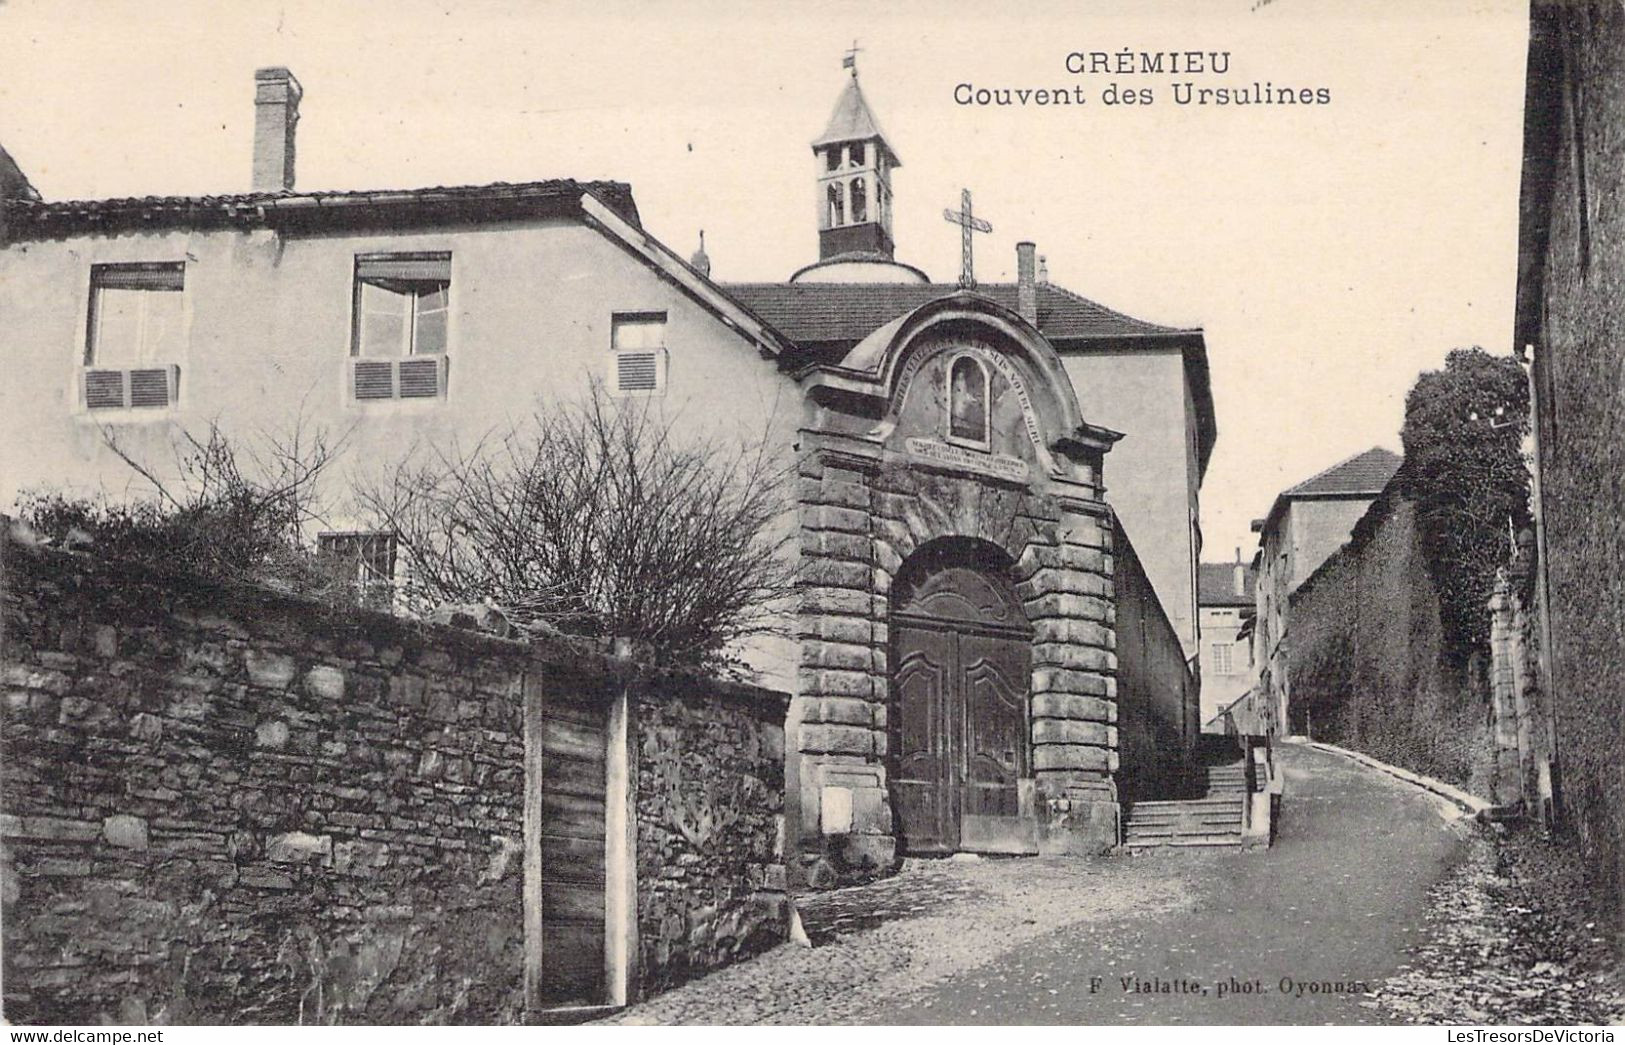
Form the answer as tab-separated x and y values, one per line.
1364	473
814	313
473	203
1216	584
852	120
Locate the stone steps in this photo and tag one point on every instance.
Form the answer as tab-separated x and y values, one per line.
1213	820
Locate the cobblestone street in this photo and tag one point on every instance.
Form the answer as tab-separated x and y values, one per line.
1339	900
937	918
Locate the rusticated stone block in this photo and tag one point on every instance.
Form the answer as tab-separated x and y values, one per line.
837	573
1086	533
1071	606
845	711
841	520
829	682
1069	557
831	545
1070	756
840	740
1075	658
855	630
1063	680
840	493
1066	731
837	601
1073	632
1072	706
1071	582
849	655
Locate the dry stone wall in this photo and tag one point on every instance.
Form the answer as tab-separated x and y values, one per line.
224	805
710	852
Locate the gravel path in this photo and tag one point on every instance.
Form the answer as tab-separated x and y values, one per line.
884	943
1378	903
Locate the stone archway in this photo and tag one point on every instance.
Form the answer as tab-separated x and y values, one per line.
961	763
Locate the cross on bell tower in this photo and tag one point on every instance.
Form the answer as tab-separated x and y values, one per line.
969	224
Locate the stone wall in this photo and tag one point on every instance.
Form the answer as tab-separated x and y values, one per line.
224	805
710	800
1366	661
1580	355
1156	692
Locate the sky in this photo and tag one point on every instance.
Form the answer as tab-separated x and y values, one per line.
1330	252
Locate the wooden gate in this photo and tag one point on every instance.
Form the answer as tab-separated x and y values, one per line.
961	777
572	844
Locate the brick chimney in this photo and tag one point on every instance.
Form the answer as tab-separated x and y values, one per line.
276	115
1240	575
1026	281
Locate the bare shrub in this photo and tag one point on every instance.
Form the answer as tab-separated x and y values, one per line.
595	519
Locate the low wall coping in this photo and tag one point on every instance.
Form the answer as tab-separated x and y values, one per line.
561	651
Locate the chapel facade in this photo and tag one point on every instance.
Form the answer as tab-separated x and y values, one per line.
963	683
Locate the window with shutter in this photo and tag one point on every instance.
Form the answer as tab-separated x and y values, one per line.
399	340
135	336
638	357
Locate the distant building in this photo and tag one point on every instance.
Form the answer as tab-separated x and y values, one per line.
1225	593
1305	525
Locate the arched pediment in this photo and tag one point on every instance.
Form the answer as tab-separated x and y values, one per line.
930	373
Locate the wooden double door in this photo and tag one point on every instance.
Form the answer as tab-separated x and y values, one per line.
960	769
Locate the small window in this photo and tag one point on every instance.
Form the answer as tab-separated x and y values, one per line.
832	158
638	353
860	202
1222	664
836	211
135	336
856	153
967	403
401	305
364	561
135	314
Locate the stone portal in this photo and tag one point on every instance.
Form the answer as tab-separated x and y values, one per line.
957	684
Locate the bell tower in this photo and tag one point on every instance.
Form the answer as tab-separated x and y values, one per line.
854	179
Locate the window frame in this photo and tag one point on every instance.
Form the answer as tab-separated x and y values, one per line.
985	442
409	337
661	352
91	351
367	580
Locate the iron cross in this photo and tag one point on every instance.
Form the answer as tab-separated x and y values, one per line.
968	224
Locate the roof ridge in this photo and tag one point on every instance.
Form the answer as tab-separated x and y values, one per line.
296	193
1323	473
1075	296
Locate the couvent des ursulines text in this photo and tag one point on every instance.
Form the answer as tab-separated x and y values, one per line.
1103	71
